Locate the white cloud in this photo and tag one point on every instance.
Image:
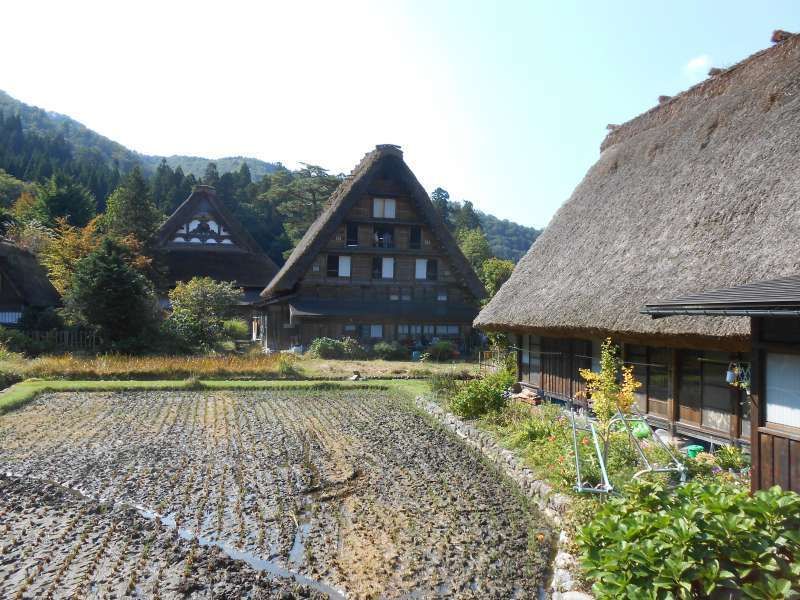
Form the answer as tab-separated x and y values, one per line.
698	66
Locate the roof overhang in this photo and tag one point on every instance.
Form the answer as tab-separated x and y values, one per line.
769	298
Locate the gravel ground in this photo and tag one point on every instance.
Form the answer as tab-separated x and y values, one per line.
255	494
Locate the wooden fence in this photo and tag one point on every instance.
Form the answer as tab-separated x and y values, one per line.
68	339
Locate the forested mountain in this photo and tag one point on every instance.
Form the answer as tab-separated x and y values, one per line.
52	167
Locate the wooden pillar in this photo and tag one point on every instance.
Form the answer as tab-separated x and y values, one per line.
756	394
673	402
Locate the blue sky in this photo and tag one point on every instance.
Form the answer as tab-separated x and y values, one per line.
501	103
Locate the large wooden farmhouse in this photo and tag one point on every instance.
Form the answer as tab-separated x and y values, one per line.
23	284
202	238
378	264
700	192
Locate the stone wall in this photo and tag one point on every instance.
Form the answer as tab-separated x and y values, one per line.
564	584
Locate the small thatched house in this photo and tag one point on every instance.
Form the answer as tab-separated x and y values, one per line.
378	264
700	192
202	238
23	284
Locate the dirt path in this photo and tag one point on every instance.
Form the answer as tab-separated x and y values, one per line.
347	491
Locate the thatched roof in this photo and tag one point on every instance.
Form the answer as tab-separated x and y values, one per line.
26	276
385	157
243	263
700	192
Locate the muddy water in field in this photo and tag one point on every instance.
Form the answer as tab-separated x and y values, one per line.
347	491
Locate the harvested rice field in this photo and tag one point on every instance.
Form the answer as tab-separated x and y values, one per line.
262	494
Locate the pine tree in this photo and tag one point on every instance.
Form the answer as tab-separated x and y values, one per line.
130	210
211	175
63	197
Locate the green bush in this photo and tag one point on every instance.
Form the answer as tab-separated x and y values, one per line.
702	539
352	349
236	329
391	351
325	347
442	350
481	396
15	340
443	384
731	457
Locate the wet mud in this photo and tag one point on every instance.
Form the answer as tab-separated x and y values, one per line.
254	494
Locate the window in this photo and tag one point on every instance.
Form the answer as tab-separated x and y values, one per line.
426	268
349	328
783	389
338	266
382	267
432	270
376	331
402	330
651	366
383	208
405	294
415	238
352	234
447	330
394	295
383	236
441	295
704	396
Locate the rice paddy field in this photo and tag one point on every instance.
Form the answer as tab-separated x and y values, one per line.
254	494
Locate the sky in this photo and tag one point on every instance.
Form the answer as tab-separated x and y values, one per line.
501	103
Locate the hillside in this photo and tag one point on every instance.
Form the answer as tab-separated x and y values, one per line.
85	141
507	239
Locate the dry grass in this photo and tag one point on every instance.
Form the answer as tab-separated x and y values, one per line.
227	366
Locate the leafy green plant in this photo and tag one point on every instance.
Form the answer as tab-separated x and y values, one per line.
391	351
235	329
442	350
731	457
443	384
702	539
484	395
287	365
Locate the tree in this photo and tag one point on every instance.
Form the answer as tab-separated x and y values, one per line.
70	245
199	308
441	200
211	175
465	217
131	212
62	197
494	273
302	200
475	247
110	296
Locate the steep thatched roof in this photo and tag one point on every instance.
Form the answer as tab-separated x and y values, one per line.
26	276
243	263
700	192
341	201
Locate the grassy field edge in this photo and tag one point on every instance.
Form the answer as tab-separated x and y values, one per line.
26	391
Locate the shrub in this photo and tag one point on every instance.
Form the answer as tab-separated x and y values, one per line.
442	350
199	308
700	540
40	319
331	348
325	347
731	457
235	329
352	349
391	351
443	384
480	396
287	365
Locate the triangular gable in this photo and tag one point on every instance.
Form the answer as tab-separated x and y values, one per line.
203	221
339	205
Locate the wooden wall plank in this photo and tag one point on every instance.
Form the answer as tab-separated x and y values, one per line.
794	466
765	463
780	466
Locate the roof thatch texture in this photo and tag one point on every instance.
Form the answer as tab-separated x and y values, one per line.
341	201
700	192
26	276
245	263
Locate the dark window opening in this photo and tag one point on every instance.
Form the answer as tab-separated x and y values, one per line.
415	238
333	265
432	270
377	267
383	237
352	234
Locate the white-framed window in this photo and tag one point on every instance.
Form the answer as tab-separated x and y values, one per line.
376	331
402	329
387	268
783	389
350	327
384	208
338	266
428	329
421	268
447	330
441	295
